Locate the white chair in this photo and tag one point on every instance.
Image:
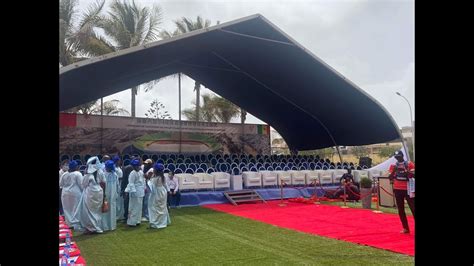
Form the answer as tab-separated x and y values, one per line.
204	181
269	178
236	181
252	179
325	177
221	180
297	177
358	174
187	181
374	174
311	175
283	175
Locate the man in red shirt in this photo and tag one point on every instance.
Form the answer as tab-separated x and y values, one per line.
400	172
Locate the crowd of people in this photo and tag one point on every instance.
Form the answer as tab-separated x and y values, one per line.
106	193
139	192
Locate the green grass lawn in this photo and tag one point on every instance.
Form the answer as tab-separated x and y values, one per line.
199	236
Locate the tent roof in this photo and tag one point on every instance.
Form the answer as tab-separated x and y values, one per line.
255	65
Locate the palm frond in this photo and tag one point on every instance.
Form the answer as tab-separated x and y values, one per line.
67	11
140	29
154	23
91	16
190	26
190	114
150	85
181	26
85	109
97	46
115	30
164	34
112	108
199	23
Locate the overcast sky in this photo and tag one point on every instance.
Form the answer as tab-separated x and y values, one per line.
369	42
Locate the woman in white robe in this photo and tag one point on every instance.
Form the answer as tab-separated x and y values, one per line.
89	210
63	170
157	202
70	182
109	218
136	191
119	202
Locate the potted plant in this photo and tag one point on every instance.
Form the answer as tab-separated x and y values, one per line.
366	190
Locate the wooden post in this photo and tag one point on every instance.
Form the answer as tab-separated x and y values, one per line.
345	206
316	192
378	198
281	194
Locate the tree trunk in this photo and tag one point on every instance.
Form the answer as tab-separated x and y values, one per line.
134	92
197	88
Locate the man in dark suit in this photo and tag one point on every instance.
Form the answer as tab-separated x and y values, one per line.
126	172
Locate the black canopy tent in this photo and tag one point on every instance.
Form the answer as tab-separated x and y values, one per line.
256	66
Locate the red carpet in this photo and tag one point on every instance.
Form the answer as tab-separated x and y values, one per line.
353	225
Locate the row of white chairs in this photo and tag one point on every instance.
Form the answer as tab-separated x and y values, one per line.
221	180
303	177
197	181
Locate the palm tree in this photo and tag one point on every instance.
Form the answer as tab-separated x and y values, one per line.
83	108
128	25
77	43
186	25
214	109
207	109
80	42
224	110
111	107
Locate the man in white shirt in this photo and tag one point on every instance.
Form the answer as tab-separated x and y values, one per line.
173	189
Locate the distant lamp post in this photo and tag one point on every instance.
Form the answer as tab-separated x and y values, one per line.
412	126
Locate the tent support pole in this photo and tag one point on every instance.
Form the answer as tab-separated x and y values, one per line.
179	112
338	153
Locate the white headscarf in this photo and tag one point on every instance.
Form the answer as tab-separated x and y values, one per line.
92	167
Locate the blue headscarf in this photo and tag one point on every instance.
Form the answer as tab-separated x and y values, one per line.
158	167
72	165
116	158
110	165
135	162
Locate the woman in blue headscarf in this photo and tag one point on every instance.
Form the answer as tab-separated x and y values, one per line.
71	193
89	210
157	205
136	191
109	218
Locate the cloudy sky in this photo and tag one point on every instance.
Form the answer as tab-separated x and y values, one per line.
369	42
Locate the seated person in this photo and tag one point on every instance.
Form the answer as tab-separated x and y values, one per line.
173	189
352	191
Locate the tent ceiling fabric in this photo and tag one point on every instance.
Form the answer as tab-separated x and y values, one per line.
256	66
